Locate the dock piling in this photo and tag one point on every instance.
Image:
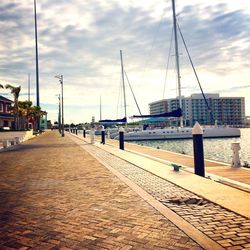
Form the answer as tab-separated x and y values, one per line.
121	138
235	146
199	165
92	135
108	133
103	135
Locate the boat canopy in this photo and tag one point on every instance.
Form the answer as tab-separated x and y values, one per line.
154	120
123	120
174	113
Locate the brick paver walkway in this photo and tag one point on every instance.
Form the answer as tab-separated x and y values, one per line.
230	230
54	195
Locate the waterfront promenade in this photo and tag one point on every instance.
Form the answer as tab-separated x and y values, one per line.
220	169
64	193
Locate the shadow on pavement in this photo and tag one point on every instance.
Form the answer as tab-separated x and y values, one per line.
25	147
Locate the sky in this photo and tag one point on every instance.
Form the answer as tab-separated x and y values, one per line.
81	40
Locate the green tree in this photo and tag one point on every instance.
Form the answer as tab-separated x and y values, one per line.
15	91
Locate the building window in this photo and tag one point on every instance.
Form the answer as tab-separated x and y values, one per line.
1	107
7	108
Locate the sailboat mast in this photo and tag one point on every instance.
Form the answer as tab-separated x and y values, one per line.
123	84
100	108
29	87
177	59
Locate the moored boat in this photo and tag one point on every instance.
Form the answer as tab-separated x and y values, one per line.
181	133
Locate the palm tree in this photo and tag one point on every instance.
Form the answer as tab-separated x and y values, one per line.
24	113
36	113
15	91
1	86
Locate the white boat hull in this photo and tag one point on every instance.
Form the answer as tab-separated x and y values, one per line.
180	133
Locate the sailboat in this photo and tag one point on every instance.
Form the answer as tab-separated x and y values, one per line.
178	132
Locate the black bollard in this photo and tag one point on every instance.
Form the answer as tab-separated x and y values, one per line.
199	166
84	133
121	138
103	137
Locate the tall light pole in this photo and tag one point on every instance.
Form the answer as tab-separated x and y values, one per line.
37	66
59	114
60	77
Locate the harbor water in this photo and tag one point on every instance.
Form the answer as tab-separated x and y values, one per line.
214	149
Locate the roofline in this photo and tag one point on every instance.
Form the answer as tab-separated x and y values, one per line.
2	98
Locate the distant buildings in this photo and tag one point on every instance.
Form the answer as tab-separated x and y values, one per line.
224	110
6	118
247	121
49	124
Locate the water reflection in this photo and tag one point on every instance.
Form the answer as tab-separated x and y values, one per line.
214	149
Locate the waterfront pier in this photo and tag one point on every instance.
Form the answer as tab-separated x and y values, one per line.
220	169
66	193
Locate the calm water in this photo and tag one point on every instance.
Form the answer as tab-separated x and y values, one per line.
214	149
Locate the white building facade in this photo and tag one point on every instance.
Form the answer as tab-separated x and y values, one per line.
223	110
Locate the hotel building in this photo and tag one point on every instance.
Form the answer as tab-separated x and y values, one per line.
223	110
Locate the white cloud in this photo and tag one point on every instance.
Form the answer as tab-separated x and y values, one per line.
82	39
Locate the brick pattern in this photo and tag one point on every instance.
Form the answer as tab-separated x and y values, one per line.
230	230
54	195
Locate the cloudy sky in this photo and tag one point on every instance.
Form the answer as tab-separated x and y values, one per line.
82	40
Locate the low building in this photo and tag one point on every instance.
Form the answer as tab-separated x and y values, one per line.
223	110
6	118
44	122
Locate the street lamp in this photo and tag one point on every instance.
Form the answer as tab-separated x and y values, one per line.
60	77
